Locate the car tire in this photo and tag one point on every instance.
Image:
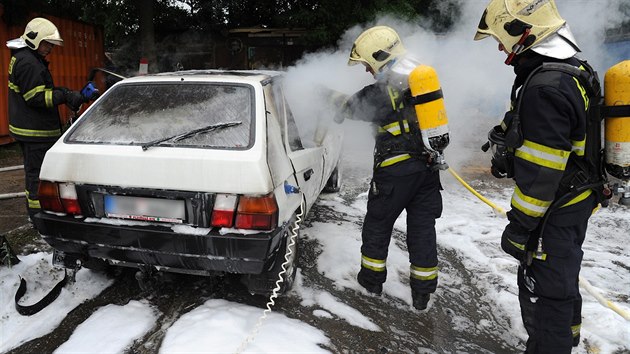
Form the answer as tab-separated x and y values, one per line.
265	283
333	185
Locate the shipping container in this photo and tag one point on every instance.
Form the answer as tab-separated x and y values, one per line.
70	64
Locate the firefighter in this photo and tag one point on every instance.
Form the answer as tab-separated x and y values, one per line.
403	174
33	99
541	144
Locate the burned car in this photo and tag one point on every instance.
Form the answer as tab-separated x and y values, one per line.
198	172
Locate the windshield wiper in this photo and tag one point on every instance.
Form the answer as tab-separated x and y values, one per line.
187	135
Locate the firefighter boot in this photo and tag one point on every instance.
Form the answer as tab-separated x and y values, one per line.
372	288
420	301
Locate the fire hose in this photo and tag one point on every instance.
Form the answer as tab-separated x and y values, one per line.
585	284
495	207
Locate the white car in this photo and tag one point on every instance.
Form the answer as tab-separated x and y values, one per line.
198	172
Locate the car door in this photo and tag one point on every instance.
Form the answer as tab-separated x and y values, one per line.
332	144
308	162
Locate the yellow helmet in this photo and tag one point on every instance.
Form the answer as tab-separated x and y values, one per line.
519	24
40	29
376	47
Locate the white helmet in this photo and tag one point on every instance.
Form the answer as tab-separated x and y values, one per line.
519	24
376	47
40	29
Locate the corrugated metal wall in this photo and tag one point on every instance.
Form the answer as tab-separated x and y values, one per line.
70	65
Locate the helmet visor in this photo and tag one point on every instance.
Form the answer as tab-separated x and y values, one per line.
480	35
355	58
483	30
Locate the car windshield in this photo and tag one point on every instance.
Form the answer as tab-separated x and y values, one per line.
140	114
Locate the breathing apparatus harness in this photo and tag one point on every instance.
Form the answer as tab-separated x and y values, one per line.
395	138
504	139
404	135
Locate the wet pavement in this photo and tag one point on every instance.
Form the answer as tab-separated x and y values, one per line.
458	320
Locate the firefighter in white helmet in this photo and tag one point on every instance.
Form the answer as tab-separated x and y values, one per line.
33	100
545	145
403	177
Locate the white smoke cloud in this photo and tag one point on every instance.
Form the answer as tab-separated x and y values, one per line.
589	20
475	81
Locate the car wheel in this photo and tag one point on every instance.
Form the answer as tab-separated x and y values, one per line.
265	283
333	184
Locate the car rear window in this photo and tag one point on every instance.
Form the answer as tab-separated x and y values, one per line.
170	114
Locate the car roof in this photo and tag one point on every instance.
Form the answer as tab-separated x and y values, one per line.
242	76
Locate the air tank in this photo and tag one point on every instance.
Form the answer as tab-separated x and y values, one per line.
429	106
617	121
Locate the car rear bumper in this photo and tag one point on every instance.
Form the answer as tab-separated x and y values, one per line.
160	246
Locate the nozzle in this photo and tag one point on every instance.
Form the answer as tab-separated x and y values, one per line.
440	162
624	190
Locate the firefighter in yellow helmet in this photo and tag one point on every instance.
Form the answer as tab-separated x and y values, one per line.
545	145
33	100
404	177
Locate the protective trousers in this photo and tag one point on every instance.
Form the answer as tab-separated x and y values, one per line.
392	191
33	155
548	289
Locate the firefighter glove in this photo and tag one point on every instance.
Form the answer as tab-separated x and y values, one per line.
59	95
502	157
514	241
74	100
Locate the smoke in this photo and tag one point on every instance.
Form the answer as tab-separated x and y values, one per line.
589	20
475	81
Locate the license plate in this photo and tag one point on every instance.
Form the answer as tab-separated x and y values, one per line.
145	209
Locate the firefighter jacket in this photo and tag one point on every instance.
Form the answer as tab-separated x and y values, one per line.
382	104
553	118
33	99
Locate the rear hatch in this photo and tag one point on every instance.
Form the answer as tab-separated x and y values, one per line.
163	151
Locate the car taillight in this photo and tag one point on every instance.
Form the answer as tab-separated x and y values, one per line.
224	210
69	200
257	213
49	197
59	197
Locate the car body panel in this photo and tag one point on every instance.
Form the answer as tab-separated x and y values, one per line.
243	172
309	164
